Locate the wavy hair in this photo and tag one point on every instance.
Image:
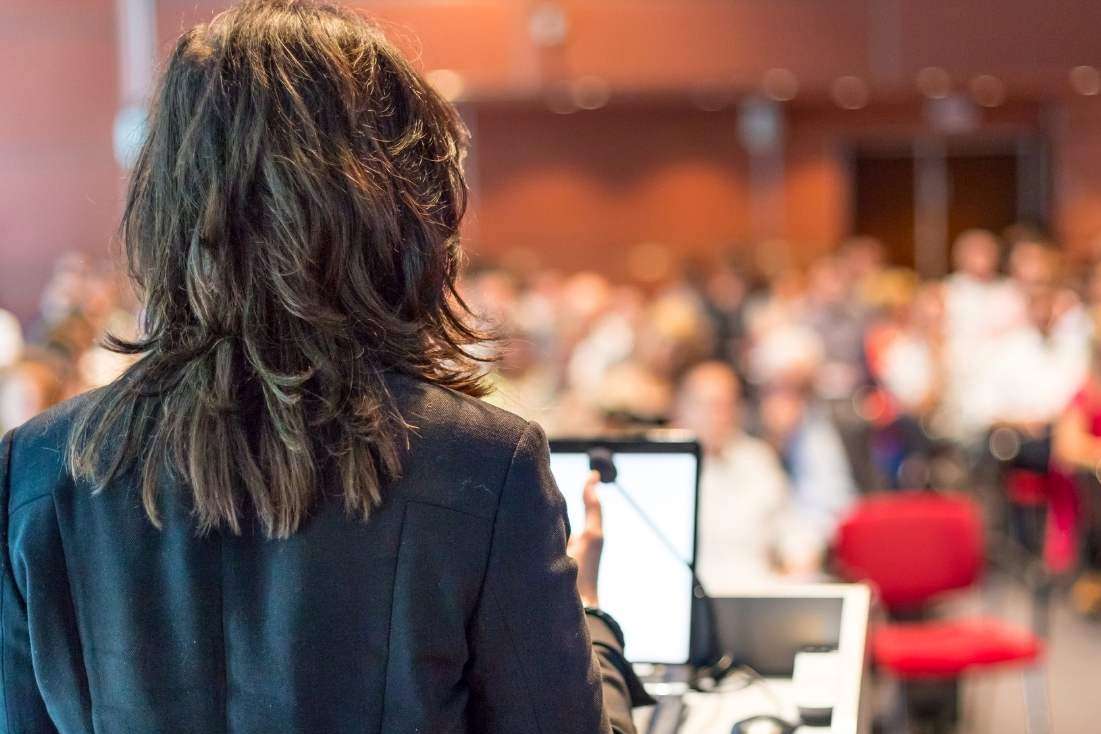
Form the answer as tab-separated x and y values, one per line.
292	227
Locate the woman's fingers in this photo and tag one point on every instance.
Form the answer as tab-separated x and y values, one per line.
594	513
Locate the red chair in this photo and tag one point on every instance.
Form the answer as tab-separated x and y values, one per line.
1056	537
915	546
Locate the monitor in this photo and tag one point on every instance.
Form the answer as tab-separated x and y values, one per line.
765	632
642	583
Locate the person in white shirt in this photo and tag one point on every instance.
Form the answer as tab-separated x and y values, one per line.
747	532
1034	369
910	361
980	307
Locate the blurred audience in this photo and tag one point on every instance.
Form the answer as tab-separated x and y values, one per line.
806	385
61	354
1037	363
748	530
811	451
30	386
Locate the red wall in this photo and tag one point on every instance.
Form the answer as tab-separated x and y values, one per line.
1076	145
581	189
59	185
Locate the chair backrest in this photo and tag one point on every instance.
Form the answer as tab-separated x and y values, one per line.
912	545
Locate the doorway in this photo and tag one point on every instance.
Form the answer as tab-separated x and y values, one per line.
916	197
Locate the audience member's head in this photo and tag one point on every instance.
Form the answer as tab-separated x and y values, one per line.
1033	263
862	257
630	396
674	333
892	292
783	406
828	283
976	253
726	287
1036	269
709	405
584	298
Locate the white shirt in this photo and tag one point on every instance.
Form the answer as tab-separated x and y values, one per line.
1030	378
909	370
977	315
743	500
980	309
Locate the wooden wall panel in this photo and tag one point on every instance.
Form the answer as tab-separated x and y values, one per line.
1076	165
669	45
582	188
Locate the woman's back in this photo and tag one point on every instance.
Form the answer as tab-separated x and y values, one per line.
452	609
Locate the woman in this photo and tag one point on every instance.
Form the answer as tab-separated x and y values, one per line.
292	514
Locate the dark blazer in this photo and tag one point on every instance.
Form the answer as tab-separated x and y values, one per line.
453	609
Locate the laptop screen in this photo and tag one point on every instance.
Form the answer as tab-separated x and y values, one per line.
642	583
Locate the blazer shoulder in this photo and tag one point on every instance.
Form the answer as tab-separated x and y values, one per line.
433	409
461	448
55	423
37	453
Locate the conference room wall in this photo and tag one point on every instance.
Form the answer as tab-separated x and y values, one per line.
579	188
59	185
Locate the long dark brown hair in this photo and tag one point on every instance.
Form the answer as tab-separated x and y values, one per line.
292	226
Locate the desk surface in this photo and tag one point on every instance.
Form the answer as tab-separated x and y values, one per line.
717	712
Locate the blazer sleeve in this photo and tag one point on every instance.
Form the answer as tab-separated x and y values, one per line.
533	667
23	710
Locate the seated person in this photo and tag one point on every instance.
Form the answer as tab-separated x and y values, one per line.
1035	367
811	450
746	533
